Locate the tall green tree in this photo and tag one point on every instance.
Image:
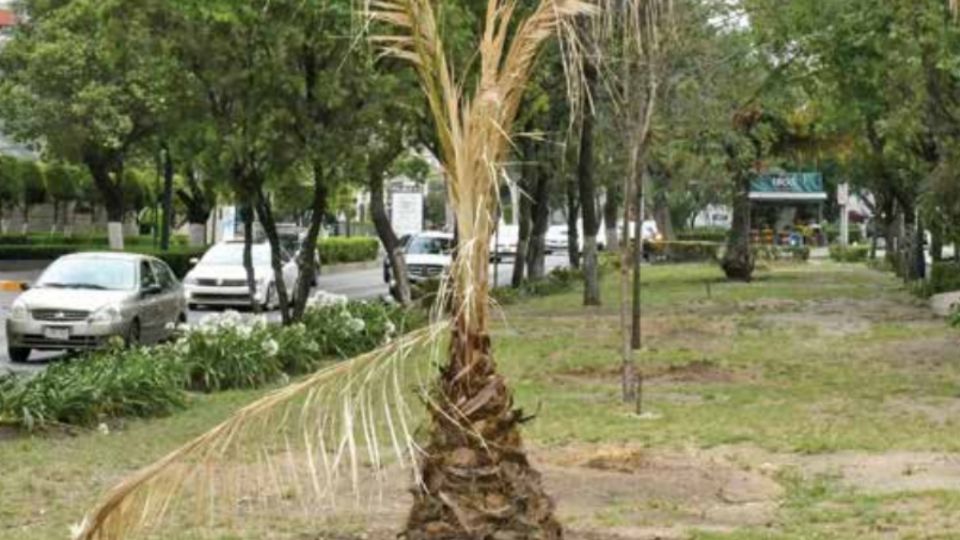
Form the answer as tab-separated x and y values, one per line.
80	82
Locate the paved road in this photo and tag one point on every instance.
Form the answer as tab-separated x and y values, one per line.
363	284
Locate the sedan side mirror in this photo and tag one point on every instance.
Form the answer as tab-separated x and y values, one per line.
194	261
151	290
24	286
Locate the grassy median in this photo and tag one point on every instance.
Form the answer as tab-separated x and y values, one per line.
821	401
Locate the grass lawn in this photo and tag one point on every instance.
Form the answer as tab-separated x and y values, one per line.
821	401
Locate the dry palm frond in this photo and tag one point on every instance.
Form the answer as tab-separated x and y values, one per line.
474	130
311	441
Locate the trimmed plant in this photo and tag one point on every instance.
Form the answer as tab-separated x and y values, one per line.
86	391
849	254
339	250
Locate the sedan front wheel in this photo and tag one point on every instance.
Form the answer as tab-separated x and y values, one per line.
18	355
269	298
132	339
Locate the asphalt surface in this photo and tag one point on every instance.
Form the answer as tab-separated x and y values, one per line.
364	284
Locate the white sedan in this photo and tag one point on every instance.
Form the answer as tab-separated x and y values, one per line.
219	278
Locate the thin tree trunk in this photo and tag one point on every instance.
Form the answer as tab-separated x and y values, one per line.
588	209
936	240
523	235
167	218
112	194
307	258
276	262
662	214
611	215
628	368
540	222
738	262
635	331
247	215
573	234
388	237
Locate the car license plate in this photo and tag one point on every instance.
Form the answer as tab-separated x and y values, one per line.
59	334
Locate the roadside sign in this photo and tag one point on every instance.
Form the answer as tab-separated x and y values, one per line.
406	213
843	194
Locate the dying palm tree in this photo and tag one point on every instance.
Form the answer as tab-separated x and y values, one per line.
472	474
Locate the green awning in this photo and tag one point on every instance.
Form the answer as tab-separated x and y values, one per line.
788	187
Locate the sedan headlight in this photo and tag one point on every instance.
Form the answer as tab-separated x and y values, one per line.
19	311
108	314
190	280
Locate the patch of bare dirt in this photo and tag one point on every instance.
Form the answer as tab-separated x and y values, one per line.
768	304
891	472
699	371
825	324
703	371
939	411
930	353
870	473
635	493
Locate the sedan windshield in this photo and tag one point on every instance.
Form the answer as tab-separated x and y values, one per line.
232	255
424	245
90	273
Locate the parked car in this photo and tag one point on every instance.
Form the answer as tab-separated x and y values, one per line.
505	240
82	300
219	278
557	239
428	255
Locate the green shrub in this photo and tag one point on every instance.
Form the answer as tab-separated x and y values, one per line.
104	385
880	264
178	258
944	277
680	252
98	240
955	317
769	253
849	254
338	250
558	281
704	234
833	234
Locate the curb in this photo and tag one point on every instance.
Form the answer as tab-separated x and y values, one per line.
11	286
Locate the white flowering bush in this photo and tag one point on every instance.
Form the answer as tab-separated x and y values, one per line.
347	328
229	350
223	351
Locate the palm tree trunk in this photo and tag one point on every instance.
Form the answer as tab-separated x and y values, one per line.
477	487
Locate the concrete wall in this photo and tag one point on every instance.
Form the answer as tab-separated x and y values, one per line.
41	220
